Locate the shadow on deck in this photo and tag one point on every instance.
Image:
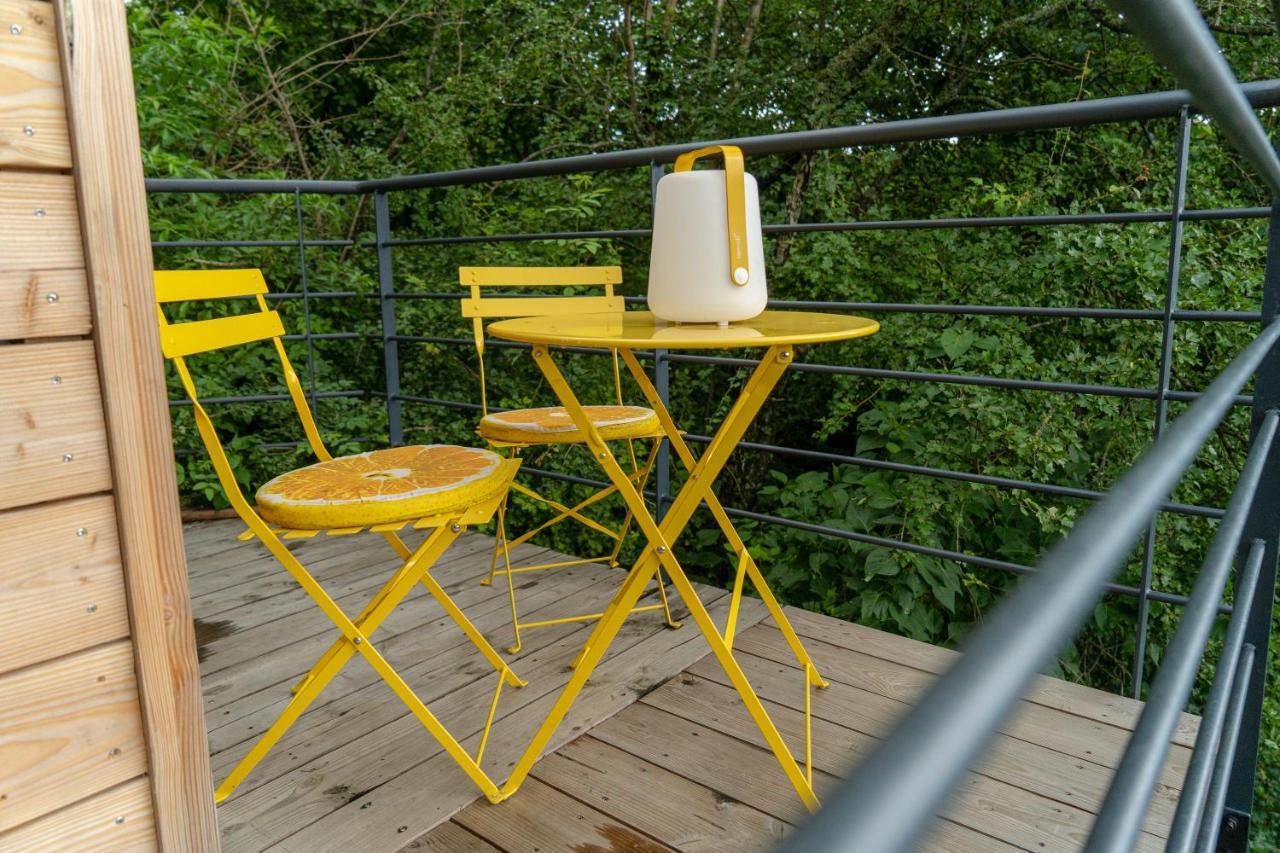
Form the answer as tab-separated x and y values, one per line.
658	752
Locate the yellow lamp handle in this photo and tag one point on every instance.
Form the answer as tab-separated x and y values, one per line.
735	191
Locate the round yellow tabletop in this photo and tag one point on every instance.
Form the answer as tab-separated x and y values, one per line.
636	329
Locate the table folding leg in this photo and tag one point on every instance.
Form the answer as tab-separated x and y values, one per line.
658	553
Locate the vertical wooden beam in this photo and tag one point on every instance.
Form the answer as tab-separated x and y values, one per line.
107	159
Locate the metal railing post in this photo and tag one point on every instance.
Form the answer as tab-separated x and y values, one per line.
306	303
1162	388
386	297
661	380
1264	524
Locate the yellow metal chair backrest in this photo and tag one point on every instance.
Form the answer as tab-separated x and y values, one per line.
179	340
480	307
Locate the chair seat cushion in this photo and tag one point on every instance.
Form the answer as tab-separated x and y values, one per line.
552	425
381	486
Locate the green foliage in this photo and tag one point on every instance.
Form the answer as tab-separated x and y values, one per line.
352	89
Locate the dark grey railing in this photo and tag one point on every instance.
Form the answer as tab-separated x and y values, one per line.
892	798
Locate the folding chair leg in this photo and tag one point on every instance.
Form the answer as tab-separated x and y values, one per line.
514	648
501	532
666	608
355	639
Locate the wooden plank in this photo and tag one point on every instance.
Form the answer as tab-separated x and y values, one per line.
60	580
33	118
1050	692
437	655
1030	766
39	223
717	760
542	818
68	729
117	249
253	651
706	748
448	837
1098	743
43	304
358	704
52	443
655	800
1045	799
398	774
118	819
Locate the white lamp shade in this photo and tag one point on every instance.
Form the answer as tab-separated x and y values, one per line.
690	280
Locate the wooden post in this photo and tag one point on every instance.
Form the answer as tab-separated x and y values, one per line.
107	166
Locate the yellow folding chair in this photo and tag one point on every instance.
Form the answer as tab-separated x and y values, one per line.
442	487
517	430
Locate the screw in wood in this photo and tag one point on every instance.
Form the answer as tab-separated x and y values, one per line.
16	29
67	457
50	297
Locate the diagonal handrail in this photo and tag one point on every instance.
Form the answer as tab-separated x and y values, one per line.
1176	34
888	803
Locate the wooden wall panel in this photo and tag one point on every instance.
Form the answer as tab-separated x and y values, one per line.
52	438
68	729
33	118
118	820
61	584
43	304
39	224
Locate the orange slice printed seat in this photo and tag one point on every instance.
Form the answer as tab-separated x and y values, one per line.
552	425
382	486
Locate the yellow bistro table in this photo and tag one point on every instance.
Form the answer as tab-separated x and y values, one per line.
777	332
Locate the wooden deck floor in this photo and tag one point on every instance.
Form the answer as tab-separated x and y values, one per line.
657	754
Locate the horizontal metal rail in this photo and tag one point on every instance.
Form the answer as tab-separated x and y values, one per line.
948	474
1263	93
1124	809
964	379
251	244
890	802
266	398
1019	221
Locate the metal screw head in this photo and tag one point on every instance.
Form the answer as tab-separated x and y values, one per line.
16	29
81	532
537	353
786	355
39	213
119	819
358	640
28	130
55	380
455	527
92	608
49	297
662	549
115	750
604	455
67	457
